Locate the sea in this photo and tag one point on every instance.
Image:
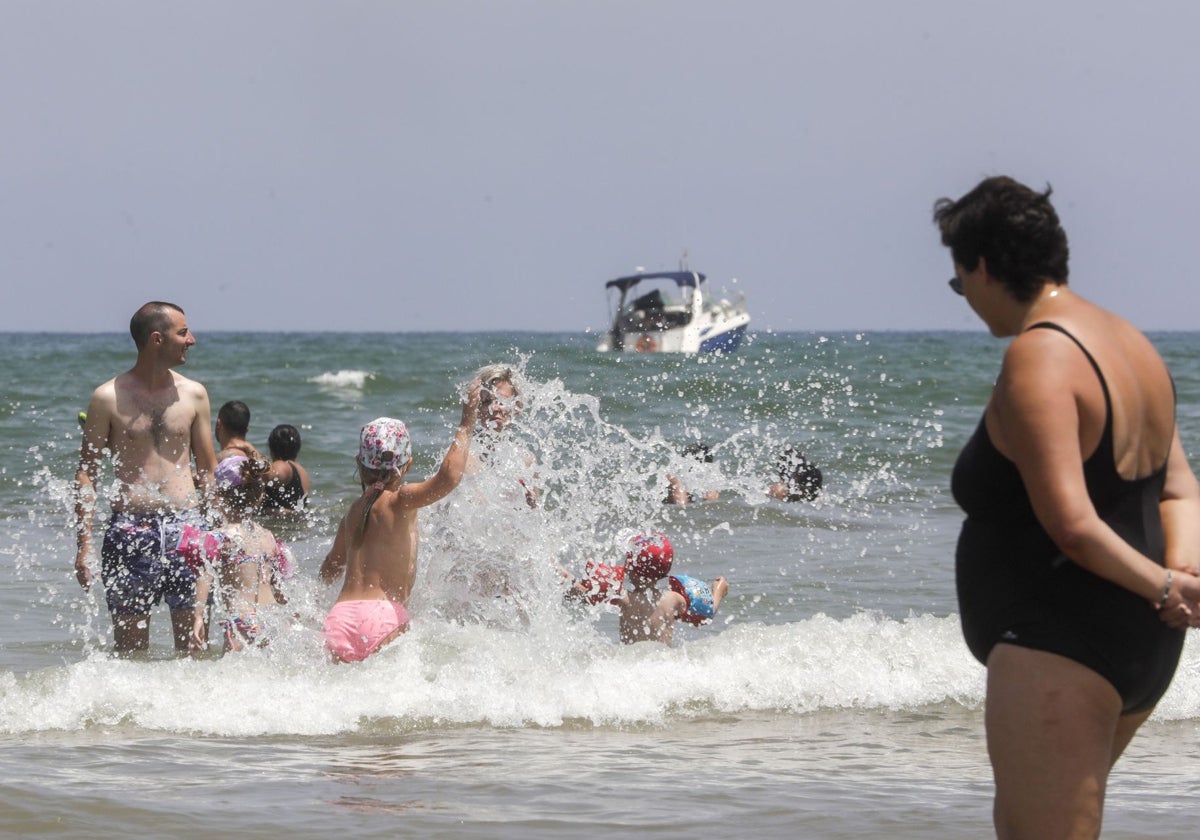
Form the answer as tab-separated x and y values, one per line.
832	697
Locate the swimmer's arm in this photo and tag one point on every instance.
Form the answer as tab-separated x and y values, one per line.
276	590
335	560
91	450
533	488
450	473
199	637
672	605
531	493
676	492
719	587
281	565
1035	412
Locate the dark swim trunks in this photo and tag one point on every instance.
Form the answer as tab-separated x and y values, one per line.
141	564
1015	585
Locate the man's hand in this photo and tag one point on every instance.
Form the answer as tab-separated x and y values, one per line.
83	572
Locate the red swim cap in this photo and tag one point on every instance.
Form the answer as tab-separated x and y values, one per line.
650	557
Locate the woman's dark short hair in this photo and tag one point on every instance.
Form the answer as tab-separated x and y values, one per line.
1015	230
284	442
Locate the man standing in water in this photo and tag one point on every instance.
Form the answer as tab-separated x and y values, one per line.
149	421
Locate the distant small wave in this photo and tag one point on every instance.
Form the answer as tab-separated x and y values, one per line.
344	379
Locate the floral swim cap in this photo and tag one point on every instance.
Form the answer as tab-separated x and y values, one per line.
384	444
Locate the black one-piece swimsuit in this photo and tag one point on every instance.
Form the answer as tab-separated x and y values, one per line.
1016	586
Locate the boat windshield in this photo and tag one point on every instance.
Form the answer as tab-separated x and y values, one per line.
656	305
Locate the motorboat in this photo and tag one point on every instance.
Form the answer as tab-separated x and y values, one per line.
671	312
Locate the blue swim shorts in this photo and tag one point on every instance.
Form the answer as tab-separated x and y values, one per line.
140	562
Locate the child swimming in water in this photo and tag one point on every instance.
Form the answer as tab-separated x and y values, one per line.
376	542
648	614
242	559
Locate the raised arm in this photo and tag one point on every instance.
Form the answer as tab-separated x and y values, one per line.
439	485
676	492
720	587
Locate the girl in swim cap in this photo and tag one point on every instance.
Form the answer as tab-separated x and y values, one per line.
376	543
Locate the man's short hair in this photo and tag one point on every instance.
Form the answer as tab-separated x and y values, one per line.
152	317
235	417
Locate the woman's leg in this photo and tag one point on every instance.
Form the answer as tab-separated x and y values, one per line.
1127	727
1051	732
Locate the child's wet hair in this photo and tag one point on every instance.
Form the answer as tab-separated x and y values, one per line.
373	482
247	494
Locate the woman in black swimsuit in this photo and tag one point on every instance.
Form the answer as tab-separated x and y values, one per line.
289	486
1076	564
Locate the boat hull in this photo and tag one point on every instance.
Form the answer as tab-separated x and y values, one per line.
725	342
711	340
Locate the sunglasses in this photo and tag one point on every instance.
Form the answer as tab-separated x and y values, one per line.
956	284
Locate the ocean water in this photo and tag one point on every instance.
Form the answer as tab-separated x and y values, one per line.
832	697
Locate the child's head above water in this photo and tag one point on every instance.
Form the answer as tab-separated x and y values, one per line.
648	558
240	481
800	480
384	447
384	455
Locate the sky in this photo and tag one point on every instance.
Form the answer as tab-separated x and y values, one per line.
446	165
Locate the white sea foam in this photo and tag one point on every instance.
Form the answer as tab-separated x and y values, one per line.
452	674
343	379
449	673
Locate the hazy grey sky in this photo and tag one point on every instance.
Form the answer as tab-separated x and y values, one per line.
488	165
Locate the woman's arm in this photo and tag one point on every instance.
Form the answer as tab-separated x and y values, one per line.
1180	507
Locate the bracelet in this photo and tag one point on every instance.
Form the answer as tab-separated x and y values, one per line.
1162	602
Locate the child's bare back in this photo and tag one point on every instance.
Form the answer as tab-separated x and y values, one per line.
648	615
383	563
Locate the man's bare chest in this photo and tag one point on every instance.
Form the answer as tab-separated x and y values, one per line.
158	420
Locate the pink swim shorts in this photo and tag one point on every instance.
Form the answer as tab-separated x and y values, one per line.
355	629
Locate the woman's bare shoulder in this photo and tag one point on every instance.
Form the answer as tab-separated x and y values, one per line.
1041	358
